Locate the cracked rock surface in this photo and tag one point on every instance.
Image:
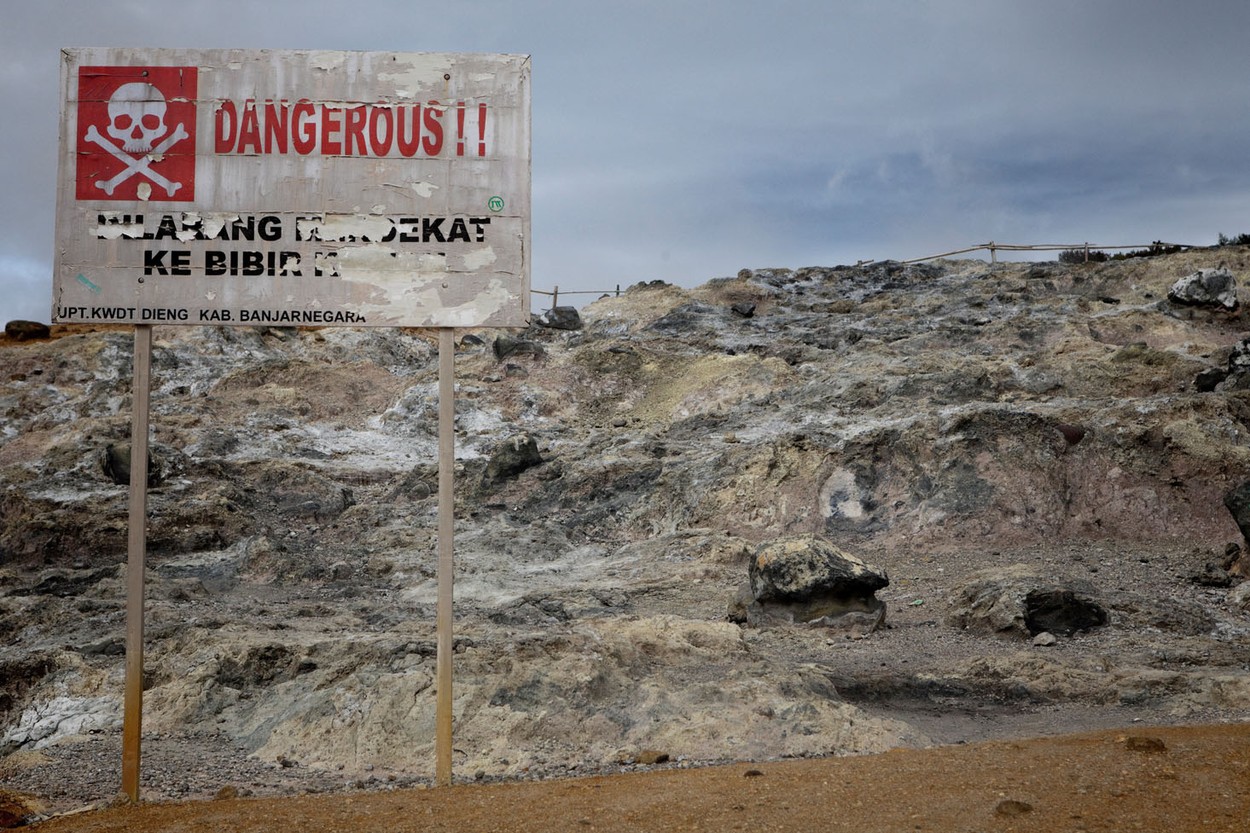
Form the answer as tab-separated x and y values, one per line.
613	482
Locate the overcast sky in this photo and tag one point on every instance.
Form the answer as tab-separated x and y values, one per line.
687	140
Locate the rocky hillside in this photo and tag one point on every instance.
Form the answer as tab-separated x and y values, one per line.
997	440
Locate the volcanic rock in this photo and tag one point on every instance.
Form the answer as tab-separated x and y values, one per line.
1239	597
1237	500
510	458
19	330
808	579
802	567
1020	601
944	418
116	464
561	318
1206	288
18	810
506	346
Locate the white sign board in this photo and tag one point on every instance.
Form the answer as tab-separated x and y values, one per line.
355	189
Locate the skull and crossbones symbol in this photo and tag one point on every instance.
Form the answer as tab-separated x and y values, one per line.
136	119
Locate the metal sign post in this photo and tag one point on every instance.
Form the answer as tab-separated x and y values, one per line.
132	721
446	550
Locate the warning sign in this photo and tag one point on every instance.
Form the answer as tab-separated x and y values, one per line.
319	188
136	134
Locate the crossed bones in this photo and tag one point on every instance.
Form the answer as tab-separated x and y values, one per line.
141	165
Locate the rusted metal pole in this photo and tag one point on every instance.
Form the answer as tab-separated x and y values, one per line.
446	551
132	719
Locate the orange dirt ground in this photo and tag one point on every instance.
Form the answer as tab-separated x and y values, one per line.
1156	779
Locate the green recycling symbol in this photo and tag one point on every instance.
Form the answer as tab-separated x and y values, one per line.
495	203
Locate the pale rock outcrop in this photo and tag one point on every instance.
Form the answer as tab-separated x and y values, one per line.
939	418
807	579
1206	287
1018	600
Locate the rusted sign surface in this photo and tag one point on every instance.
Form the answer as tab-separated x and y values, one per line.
293	188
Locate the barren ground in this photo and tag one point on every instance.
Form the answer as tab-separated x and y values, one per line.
935	421
1160	779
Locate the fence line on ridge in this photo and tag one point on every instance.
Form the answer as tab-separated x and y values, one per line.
992	247
995	248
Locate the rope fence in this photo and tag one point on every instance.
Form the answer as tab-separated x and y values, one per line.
555	293
992	247
995	248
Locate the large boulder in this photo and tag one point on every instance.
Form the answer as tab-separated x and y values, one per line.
800	567
506	346
1237	501
115	462
807	579
561	318
1019	601
1239	598
510	458
1206	288
23	330
1234	376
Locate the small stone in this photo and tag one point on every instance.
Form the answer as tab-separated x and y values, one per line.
17	809
1211	574
1144	743
116	465
510	458
506	346
1011	808
1207	380
23	330
561	318
1072	434
1239	597
1045	639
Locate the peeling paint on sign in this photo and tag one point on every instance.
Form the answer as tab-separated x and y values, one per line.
351	188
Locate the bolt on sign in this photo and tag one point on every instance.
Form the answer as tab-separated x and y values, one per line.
360	189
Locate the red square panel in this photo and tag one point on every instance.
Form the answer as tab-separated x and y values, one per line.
136	133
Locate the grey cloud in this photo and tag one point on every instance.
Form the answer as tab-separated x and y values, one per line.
684	141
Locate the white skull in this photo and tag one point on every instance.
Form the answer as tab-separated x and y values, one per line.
137	116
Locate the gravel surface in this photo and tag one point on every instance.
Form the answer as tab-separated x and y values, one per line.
1173	780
